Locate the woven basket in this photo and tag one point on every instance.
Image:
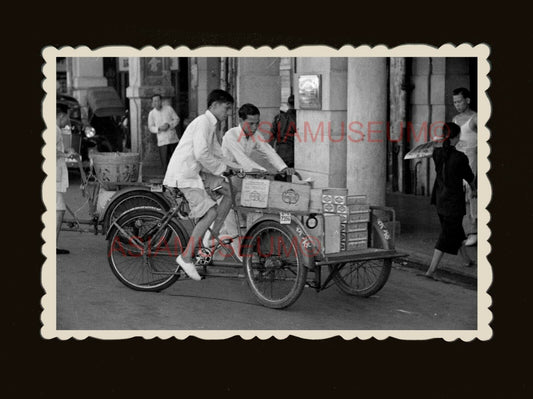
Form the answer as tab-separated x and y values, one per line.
116	167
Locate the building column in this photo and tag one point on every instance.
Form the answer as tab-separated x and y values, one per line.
320	147
86	72
367	121
206	71
147	76
258	82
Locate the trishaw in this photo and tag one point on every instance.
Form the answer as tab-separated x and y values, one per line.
278	250
108	200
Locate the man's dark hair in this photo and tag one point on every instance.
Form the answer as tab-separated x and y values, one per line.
220	96
290	100
462	91
156	95
248	109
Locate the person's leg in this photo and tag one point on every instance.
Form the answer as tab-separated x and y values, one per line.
437	256
163	150
170	151
197	233
223	209
60	213
465	258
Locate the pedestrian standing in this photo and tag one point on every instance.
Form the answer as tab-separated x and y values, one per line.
62	120
282	135
162	120
467	120
448	196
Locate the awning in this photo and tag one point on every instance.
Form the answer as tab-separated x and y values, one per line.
104	101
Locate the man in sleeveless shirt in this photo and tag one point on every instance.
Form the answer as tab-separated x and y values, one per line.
467	120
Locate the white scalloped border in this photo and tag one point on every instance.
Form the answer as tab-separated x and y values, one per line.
485	275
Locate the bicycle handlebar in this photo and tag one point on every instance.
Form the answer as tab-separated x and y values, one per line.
259	173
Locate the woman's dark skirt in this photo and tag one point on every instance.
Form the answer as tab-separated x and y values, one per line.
452	234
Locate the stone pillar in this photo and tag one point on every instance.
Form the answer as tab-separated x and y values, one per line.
208	79
259	83
85	72
320	148
367	114
147	76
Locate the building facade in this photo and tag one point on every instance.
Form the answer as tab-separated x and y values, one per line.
356	117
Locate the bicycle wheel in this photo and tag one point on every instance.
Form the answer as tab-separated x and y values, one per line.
274	264
141	254
130	200
364	278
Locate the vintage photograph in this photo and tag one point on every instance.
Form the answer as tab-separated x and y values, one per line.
313	192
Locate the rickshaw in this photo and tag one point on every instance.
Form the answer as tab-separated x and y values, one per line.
108	200
105	128
277	249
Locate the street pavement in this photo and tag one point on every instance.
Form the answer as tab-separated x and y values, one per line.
89	297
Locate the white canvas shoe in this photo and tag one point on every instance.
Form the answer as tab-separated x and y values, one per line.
188	268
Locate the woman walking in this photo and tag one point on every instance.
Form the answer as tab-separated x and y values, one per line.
452	168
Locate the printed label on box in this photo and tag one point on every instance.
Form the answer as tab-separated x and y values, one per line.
328	208
255	193
285	218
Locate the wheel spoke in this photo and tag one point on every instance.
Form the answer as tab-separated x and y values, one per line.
149	263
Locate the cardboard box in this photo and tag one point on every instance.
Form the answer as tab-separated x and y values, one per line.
289	197
316	233
351	227
332	230
357	235
255	193
356	200
334	195
328	208
358	208
351	208
357	217
315	201
355	245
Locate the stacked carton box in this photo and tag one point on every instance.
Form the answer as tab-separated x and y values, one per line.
354	214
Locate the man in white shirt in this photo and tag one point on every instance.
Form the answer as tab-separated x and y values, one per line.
162	120
195	168
238	145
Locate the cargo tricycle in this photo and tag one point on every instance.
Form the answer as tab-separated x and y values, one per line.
285	244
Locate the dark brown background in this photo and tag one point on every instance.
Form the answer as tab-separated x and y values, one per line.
389	368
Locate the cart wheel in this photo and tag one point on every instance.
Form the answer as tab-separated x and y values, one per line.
130	200
274	264
144	260
364	278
